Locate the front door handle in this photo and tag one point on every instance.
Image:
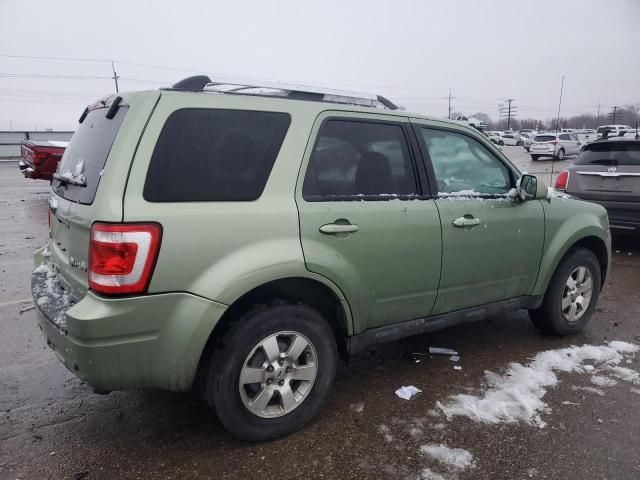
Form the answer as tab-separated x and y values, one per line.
466	221
337	228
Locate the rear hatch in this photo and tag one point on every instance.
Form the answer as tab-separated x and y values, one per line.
607	171
90	181
543	143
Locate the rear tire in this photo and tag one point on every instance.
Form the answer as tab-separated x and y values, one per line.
571	296
560	155
501	143
535	157
243	353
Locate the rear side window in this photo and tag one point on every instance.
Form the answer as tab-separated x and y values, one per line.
610	153
84	158
544	138
207	155
359	160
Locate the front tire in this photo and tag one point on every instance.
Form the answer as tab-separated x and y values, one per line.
272	371
571	296
535	157
501	143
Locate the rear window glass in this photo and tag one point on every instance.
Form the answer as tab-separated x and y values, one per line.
359	159
214	155
602	129
85	156
544	138
610	153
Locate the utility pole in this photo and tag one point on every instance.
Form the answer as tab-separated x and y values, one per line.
115	77
450	97
509	111
613	116
598	106
509	100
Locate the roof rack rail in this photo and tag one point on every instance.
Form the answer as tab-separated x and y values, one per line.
298	92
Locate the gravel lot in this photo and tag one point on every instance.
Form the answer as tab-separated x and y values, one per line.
53	426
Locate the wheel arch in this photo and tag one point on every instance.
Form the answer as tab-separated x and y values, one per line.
325	298
591	241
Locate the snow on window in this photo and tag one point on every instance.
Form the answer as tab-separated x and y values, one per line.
74	176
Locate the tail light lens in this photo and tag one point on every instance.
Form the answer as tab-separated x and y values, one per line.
39	158
122	257
562	180
553	142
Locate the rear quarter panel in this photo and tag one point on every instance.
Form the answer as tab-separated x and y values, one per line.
222	250
567	221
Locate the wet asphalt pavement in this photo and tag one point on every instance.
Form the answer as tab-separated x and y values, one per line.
53	426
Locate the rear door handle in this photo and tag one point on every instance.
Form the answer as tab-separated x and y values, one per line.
336	228
466	221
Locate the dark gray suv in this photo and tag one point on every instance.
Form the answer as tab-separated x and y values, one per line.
608	172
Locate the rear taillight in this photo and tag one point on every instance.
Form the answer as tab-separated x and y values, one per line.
562	180
553	142
122	257
39	158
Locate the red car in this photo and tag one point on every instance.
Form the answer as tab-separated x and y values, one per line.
40	158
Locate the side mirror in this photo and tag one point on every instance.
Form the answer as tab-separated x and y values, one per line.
530	188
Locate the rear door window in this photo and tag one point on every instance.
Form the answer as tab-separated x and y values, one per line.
359	159
205	155
84	158
610	153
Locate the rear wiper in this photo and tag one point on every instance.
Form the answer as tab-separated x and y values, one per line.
68	179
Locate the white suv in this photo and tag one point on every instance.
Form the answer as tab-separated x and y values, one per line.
556	146
614	130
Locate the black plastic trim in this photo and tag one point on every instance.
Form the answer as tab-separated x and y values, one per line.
395	331
113	109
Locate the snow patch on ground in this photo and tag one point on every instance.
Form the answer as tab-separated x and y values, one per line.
626	374
517	395
454	458
597	391
602	381
428	474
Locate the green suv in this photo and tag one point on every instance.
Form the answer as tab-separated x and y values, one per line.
240	239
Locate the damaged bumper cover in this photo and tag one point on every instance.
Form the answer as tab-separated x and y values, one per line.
151	341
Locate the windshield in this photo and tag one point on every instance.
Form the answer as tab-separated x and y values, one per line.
81	166
610	153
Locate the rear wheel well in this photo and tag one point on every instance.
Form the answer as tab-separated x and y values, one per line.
599	249
290	290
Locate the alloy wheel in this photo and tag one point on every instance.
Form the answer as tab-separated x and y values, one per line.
576	295
278	375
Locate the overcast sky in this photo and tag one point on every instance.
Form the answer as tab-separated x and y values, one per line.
409	51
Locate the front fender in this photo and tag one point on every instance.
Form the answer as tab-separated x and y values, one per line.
567	221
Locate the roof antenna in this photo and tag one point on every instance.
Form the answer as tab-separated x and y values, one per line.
553	162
